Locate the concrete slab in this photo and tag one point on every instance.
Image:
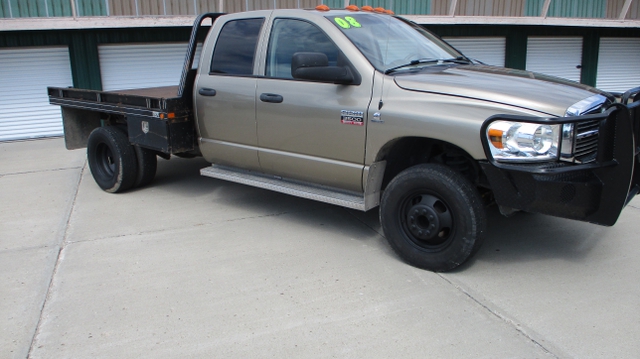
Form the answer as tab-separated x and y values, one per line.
312	283
193	266
179	197
571	285
38	181
35	206
25	278
38	155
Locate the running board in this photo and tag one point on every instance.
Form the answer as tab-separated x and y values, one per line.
307	190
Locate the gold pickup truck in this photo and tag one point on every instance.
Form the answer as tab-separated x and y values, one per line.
364	109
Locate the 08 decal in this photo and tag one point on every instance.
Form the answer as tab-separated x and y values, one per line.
347	22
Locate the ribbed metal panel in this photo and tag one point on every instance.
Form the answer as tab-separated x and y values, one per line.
533	7
556	56
490	7
577	8
25	111
142	65
34	8
180	7
613	8
91	7
634	11
401	7
618	66
334	4
168	7
440	7
490	50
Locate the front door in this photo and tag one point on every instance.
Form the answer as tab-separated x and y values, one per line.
310	130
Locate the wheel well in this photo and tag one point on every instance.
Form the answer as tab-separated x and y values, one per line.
406	152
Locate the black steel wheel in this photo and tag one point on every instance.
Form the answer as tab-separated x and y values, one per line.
147	166
432	217
112	159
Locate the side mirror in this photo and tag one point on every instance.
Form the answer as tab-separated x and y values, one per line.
315	66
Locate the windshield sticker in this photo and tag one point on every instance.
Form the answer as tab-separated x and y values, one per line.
347	23
352	117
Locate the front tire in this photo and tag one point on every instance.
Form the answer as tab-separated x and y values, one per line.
112	159
432	217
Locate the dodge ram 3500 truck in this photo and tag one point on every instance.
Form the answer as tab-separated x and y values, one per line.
362	109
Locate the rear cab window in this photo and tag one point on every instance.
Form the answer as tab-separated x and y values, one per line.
235	49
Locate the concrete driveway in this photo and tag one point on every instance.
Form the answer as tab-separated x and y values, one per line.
200	268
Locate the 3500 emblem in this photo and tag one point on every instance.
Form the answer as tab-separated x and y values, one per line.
352	117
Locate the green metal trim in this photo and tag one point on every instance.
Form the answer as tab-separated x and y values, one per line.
515	56
85	62
590	54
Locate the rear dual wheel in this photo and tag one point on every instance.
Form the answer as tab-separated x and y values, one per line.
432	217
115	164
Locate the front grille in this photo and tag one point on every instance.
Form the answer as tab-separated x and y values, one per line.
586	145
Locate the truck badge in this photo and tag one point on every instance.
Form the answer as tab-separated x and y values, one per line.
145	127
352	117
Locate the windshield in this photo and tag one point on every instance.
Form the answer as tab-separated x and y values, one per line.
389	42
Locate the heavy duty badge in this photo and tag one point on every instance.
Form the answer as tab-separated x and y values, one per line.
145	127
352	117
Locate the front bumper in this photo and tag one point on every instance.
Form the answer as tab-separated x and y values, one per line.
595	192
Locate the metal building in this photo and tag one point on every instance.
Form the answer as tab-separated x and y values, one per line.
115	44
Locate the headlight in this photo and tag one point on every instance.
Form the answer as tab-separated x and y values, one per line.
523	142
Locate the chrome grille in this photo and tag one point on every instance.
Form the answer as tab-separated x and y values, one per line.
586	145
585	142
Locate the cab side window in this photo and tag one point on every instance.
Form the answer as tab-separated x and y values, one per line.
235	49
289	36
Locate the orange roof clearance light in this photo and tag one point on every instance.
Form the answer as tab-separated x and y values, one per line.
379	10
352	8
366	8
389	12
322	8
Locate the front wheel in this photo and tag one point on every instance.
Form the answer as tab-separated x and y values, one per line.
432	217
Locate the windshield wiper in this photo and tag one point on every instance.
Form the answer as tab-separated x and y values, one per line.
412	63
458	60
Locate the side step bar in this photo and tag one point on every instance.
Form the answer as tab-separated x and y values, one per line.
307	190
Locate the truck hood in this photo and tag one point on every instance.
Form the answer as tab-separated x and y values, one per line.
524	89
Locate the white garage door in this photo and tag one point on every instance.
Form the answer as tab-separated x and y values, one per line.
490	50
618	64
25	73
555	56
141	65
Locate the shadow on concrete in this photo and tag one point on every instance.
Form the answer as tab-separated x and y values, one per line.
522	237
529	237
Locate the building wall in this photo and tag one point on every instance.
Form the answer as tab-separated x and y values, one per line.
609	9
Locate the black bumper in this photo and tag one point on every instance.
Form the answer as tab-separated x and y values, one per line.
595	192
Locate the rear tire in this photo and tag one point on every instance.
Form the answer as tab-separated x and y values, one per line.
147	166
432	217
112	159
